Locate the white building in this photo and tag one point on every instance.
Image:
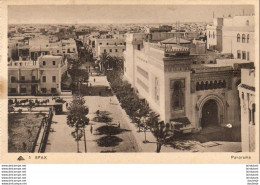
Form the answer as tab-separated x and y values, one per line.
248	109
233	35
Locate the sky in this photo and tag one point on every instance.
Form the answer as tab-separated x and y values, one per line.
83	14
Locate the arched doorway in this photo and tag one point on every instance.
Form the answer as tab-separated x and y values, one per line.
210	114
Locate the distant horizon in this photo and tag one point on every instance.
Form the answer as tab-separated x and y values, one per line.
121	14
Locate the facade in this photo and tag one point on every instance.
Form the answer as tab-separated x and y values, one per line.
108	44
193	95
41	77
112	50
233	35
248	109
36	47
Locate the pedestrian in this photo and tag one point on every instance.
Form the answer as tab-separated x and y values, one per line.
94	80
91	129
67	105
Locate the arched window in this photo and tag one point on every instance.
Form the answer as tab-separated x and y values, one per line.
247	38
238	37
206	85
202	86
177	96
210	85
215	85
243	38
197	86
219	84
224	84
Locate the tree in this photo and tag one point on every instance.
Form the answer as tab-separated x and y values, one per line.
77	118
116	63
104	61
159	129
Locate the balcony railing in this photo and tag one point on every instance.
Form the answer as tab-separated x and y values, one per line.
28	81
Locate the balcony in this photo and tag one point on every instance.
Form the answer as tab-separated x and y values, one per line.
28	81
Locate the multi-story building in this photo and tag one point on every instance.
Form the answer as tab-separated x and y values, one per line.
248	109
234	35
41	77
116	46
39	46
194	95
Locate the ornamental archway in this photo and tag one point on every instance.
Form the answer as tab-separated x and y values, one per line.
211	111
209	114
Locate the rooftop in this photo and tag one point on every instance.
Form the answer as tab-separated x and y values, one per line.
173	40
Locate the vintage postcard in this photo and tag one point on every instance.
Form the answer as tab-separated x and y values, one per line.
129	82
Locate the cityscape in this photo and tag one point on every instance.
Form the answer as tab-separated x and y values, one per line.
106	79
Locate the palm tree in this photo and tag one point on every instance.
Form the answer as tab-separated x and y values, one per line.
103	61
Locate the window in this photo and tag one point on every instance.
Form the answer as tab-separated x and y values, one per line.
139	47
44	90
54	63
33	78
23	90
209	34
22	78
58	51
243	38
213	35
13	90
178	95
53	79
248	56
44	79
13	79
115	50
43	63
238	37
100	43
110	50
244	55
107	43
203	62
53	90
247	38
238	54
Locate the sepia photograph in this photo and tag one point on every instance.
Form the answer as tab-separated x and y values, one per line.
116	78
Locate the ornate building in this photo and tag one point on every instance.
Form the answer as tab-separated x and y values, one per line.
194	96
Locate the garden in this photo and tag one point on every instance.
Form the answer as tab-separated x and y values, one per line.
23	130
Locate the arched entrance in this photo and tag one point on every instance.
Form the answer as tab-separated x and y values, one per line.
210	114
211	111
